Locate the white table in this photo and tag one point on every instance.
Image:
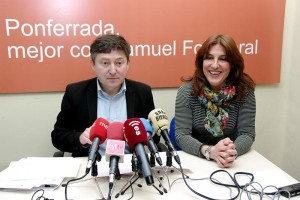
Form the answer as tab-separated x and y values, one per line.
265	173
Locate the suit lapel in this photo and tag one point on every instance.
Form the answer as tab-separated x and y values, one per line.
92	100
130	99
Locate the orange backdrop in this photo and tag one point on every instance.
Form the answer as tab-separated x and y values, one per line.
44	43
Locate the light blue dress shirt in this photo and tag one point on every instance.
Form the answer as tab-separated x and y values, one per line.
113	109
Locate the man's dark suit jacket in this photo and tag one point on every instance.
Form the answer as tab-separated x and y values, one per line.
79	111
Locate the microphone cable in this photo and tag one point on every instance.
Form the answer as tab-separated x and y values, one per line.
248	188
253	191
41	197
199	194
260	191
76	179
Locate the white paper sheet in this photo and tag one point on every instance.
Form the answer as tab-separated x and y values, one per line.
38	172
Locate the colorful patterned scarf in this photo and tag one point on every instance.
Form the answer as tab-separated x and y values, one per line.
217	107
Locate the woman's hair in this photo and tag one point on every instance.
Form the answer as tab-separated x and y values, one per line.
108	43
243	82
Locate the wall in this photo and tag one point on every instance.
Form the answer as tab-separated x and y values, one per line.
277	111
26	120
290	160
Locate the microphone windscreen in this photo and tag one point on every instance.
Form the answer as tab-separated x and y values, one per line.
115	131
148	127
135	132
115	148
159	120
99	129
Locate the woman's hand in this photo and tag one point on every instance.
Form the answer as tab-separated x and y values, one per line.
223	153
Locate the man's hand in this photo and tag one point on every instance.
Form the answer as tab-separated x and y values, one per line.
85	137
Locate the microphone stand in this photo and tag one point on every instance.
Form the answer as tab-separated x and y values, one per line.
111	189
137	174
160	183
169	164
152	164
152	160
169	161
94	173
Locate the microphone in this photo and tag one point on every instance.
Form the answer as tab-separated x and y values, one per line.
136	137
114	150
160	124
98	134
151	145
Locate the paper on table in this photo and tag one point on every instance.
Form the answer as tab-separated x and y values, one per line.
38	172
31	184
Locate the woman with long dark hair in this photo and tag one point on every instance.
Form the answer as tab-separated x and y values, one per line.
215	108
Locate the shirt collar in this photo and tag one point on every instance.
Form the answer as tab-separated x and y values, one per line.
122	89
